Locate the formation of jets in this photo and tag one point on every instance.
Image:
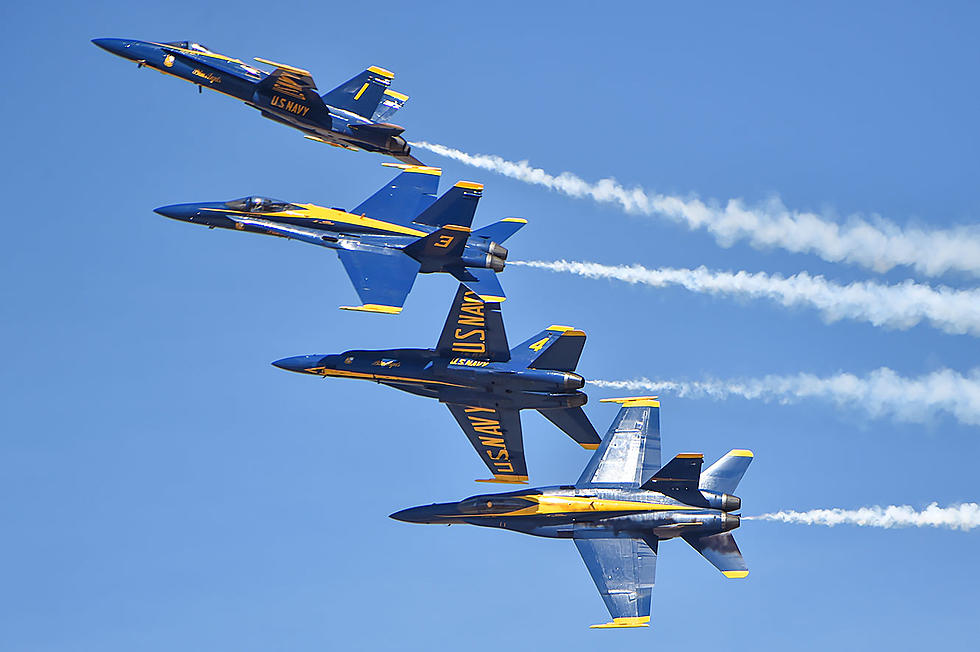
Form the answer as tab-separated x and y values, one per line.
624	503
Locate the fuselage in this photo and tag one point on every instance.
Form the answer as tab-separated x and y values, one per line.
195	63
327	227
451	380
556	511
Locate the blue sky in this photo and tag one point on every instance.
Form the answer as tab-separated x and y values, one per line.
162	485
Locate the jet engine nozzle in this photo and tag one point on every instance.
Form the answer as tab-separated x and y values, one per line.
730	503
730	521
496	263
573	381
498	250
399	145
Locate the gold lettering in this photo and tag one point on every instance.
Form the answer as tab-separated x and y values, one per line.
464	347
492	441
468	334
502	454
508	467
469	409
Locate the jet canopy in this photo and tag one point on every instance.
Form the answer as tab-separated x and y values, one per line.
257	204
188	45
498	504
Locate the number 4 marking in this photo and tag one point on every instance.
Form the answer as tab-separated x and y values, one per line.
537	346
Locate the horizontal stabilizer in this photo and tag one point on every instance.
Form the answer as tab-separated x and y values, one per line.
362	93
724	475
482	281
447	242
474	329
723	553
457	206
500	231
574	423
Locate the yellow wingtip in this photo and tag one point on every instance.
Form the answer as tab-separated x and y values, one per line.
397	95
734	575
642	621
589	447
421	169
741	452
559	327
634	401
374	307
519	220
506	479
491	298
469	185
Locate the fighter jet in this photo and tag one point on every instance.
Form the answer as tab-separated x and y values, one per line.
352	116
620	509
483	382
400	231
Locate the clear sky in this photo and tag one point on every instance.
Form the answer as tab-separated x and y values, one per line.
163	487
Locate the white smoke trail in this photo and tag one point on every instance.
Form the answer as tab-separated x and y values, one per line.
899	306
877	244
881	393
955	517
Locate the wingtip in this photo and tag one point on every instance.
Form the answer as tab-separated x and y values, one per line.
506	479
735	575
373	307
641	621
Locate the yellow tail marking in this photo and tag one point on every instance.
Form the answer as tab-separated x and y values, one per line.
589	447
492	298
382	72
469	185
396	95
357	96
741	452
408	167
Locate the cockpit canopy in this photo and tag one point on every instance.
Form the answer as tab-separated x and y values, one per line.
257	204
494	504
188	45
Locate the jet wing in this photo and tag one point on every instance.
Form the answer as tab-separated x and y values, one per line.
623	569
405	197
630	452
382	279
496	436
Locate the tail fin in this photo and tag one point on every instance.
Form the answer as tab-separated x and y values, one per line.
447	242
723	553
678	479
724	475
500	231
391	101
574	423
473	329
362	93
457	206
557	348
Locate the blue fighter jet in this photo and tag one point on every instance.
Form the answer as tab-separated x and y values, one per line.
352	116
483	382
400	231
620	509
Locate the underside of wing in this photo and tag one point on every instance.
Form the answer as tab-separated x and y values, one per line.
496	436
630	451
624	570
382	279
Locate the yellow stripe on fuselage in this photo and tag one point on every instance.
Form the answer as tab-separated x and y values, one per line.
583	504
331	215
343	373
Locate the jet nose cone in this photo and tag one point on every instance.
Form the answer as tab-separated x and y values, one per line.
304	363
435	513
116	46
184	212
